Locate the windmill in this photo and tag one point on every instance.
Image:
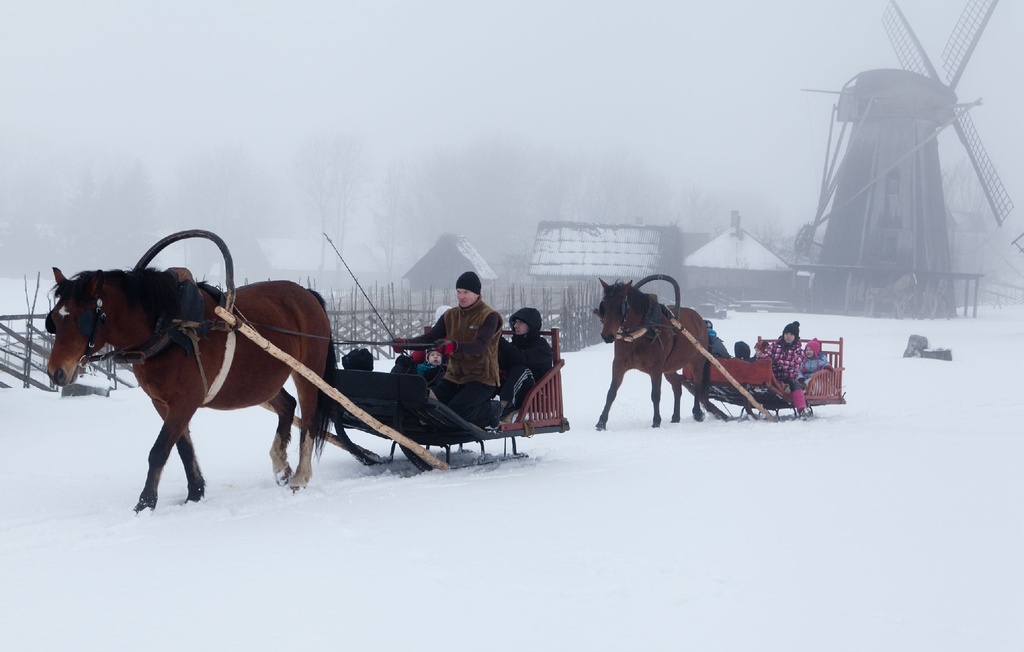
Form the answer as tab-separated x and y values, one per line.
883	204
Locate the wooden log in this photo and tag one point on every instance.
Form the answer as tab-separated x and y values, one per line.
308	374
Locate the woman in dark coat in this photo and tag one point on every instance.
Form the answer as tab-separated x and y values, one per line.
523	360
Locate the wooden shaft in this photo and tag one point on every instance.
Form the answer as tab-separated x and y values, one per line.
307	373
728	376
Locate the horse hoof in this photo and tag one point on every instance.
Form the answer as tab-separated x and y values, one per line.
195	496
600	426
698	416
145	505
283	476
675	418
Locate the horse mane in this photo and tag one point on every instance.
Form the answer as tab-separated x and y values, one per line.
154	290
640	300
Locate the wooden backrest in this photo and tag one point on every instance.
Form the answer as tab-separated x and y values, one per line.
825	384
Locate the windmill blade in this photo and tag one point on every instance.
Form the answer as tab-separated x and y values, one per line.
965	37
998	199
908	49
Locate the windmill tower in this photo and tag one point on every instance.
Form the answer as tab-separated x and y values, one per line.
883	206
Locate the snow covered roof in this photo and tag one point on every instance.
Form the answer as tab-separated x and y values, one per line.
450	256
736	249
575	249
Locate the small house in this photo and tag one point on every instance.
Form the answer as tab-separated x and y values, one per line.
450	256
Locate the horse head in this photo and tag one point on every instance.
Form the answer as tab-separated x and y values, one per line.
97	308
614	309
78	323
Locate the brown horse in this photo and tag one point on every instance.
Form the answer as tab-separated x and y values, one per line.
135	311
646	339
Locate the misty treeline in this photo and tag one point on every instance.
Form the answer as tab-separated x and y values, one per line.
85	209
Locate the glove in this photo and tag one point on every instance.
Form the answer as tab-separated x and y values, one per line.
446	347
396	345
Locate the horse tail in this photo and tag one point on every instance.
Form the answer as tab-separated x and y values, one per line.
329	411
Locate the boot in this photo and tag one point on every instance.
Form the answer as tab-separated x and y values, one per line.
799	402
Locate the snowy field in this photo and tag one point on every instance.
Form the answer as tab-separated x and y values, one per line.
895	522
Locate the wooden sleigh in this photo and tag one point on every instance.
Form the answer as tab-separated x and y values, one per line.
825	387
402	402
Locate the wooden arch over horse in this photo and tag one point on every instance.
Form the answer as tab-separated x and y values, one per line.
184	358
652	338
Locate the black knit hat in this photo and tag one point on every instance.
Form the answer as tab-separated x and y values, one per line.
468	281
794	328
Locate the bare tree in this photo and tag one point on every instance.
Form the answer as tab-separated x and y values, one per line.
391	215
332	170
700	209
621	188
771	235
961	188
226	192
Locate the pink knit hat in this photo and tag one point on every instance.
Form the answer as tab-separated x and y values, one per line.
814	345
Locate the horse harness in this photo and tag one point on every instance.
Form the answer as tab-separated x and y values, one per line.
185	332
651	325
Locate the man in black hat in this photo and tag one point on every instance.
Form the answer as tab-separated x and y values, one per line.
468	335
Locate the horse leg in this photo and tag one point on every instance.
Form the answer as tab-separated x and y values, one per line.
193	474
656	399
308	434
174	425
617	373
284	406
676	381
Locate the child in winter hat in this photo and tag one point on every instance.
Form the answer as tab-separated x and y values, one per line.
814	360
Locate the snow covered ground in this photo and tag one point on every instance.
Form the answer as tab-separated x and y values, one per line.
895	522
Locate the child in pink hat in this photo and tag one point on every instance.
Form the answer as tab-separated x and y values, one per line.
813	360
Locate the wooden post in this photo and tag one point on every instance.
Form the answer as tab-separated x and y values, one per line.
307	373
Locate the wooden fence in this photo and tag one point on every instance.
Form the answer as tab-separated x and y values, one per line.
386	312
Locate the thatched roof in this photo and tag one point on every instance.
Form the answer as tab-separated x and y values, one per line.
441	266
625	251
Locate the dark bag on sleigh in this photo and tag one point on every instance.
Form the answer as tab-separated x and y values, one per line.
359	359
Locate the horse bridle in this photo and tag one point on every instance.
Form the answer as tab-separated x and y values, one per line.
88	325
621	333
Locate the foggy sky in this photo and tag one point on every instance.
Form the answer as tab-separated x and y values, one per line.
709	95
